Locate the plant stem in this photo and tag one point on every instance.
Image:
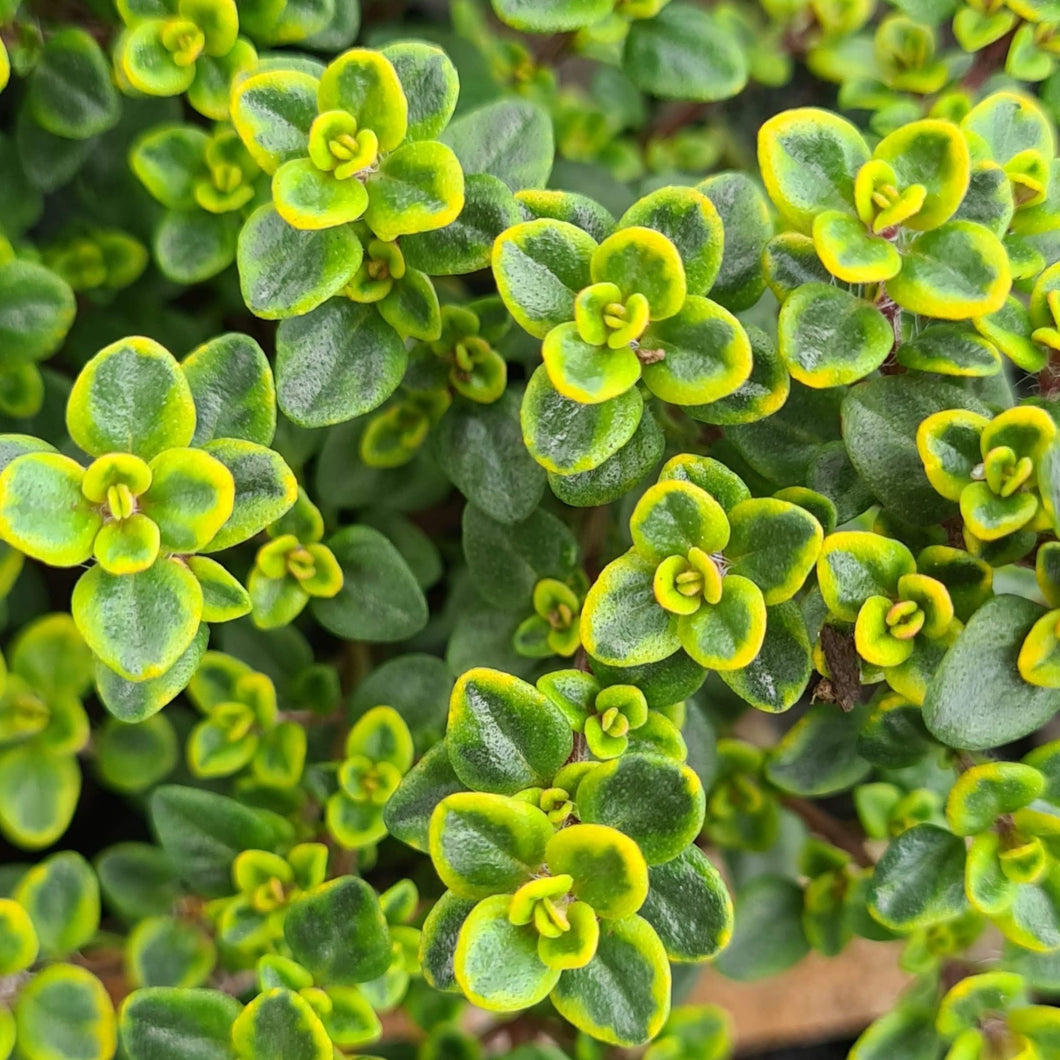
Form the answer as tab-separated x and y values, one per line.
830	828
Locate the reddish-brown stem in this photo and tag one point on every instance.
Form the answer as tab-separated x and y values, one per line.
988	61
828	827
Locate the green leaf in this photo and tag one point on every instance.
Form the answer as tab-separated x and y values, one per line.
202	833
919	881
147	65
566	437
137	880
481	450
689	907
64	1011
338	932
540	266
309	199
950	349
138	624
272	112
569	206
828	337
43	512
37	308
809	158
622	996
352	1020
338	361
1011	123
364	83
484	844
707	354
51	656
21	390
61	895
894	734
506	560
407	813
70	91
510	139
503	734
763	392
674	516
776	678
955	272
618	474
314	24
989	200
977	698
18	939
984	793
855	565
231	384
747	228
464	245
726	635
25	203
168	159
430	84
280	1025
933	154
39	791
585	372
880	422
909	1034
818	755
165	951
417	188
622	623
190	498
284	272
1010	330
166	1023
379	600
640	260
851	253
551	16
658	803
438	940
1033	919
684	53
790	260
769	937
192	245
760	527
608	869
133	758
690	221
8	1030
265	489
209	91
131	398
418	687
382	736
518	981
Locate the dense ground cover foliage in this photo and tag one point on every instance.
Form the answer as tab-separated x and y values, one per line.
473	479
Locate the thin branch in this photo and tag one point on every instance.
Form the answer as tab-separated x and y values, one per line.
674	119
988	61
552	48
830	828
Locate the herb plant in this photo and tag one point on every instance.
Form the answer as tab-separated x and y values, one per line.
471	484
